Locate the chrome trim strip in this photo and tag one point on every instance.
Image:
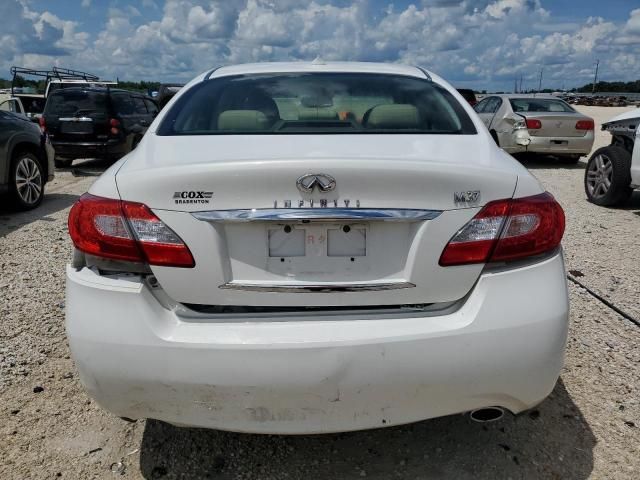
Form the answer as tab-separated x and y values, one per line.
75	119
326	288
317	214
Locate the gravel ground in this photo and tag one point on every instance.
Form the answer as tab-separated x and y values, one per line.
587	428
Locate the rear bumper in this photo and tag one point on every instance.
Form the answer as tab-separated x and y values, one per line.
555	145
504	346
73	150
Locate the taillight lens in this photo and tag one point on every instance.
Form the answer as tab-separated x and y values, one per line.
507	230
585	125
533	124
125	231
43	124
114	123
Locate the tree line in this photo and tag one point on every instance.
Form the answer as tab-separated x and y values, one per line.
626	87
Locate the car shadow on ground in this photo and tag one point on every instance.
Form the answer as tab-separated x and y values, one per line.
632	204
11	220
551	441
537	162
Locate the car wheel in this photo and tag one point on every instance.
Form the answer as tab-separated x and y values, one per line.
62	163
608	176
26	181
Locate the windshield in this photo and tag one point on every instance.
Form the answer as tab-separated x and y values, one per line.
76	102
539	105
316	103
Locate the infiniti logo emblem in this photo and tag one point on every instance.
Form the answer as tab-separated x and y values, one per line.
323	182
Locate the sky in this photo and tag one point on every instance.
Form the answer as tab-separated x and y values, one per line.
481	44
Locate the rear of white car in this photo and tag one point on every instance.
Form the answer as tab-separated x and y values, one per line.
302	248
537	124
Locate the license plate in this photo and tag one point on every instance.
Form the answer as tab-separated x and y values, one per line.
318	241
76	127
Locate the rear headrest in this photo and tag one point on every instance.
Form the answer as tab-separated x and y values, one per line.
243	120
392	116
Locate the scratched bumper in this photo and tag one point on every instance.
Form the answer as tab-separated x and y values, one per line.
504	346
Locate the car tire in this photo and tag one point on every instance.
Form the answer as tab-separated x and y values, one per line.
608	176
26	181
63	162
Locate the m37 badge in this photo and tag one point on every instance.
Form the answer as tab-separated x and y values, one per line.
471	197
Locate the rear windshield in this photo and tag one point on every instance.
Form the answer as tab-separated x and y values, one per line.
539	105
76	102
316	103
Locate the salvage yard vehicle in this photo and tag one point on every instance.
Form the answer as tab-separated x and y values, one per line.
32	103
537	124
316	247
100	122
26	161
613	172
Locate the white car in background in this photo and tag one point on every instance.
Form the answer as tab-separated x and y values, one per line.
309	247
540	124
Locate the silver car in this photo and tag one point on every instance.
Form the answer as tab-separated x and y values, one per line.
537	124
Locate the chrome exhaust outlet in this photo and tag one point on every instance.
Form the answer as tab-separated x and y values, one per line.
487	414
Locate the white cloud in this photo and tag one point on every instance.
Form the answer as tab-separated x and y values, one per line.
480	43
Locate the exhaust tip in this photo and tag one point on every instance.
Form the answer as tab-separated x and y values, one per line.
487	414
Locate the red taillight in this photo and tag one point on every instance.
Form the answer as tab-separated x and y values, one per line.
114	123
125	231
507	230
533	124
43	124
585	125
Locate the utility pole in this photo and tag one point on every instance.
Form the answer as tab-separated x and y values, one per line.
595	78
515	89
540	81
520	89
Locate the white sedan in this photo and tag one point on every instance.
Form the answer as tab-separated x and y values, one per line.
316	247
540	124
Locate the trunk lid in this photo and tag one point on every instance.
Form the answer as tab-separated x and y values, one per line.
556	124
296	262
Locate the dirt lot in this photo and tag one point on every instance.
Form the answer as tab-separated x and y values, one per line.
588	428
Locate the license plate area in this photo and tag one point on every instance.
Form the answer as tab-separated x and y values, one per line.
317	240
259	252
82	127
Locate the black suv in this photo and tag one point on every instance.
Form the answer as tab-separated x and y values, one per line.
100	122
